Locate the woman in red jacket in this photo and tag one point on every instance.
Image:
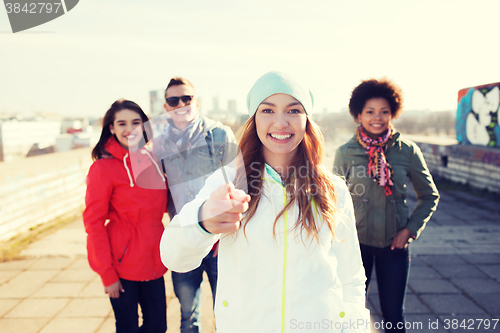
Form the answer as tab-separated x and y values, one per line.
126	187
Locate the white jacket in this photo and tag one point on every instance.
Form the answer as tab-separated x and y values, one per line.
283	284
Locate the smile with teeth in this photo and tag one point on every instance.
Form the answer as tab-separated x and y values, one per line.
181	112
280	136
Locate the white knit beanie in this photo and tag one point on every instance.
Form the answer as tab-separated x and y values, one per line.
276	82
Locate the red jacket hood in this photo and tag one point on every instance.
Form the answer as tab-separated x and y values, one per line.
134	162
114	148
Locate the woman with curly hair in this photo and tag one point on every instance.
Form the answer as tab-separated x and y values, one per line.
376	163
289	257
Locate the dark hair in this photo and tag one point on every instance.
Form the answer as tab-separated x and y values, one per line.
373	88
178	81
109	118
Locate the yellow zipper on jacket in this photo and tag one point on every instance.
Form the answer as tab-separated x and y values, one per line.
285	226
283	293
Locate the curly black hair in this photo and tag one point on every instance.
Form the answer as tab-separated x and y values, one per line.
373	88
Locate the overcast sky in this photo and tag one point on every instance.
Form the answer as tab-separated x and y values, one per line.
100	51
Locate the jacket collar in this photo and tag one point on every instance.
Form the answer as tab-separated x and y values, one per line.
114	148
353	143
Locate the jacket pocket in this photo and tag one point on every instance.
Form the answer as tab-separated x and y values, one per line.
201	163
123	253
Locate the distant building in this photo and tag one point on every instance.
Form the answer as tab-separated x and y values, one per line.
215	105
156	102
74	125
231	106
17	138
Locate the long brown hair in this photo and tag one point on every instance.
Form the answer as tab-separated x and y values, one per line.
109	118
315	193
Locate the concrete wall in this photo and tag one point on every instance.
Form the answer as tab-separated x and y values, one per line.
38	189
476	166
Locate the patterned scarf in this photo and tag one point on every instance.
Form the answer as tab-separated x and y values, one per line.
378	168
186	138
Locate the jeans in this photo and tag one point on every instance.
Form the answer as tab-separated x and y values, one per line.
151	296
392	268
187	289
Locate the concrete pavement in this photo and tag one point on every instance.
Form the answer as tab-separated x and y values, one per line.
454	283
454	280
53	290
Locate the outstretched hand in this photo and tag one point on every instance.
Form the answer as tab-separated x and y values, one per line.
223	211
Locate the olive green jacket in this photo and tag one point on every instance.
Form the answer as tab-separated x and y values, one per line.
379	218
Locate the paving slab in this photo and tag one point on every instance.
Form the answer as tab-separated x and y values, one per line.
490	302
439	260
25	283
423	272
23	325
488	217
416	260
477	249
79	263
87	307
7	275
59	289
16	265
458	239
461	271
51	263
93	289
108	326
7	304
451	304
448	221
75	275
69	241
432	286
477	286
451	221
37	308
478	259
492	270
413	305
73	325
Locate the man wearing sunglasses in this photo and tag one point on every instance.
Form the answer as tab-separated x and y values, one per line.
191	148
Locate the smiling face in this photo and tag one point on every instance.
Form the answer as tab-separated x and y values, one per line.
281	124
183	113
375	117
128	128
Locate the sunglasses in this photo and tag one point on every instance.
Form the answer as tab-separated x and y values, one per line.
174	101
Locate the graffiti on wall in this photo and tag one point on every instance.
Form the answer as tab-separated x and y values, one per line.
477	115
